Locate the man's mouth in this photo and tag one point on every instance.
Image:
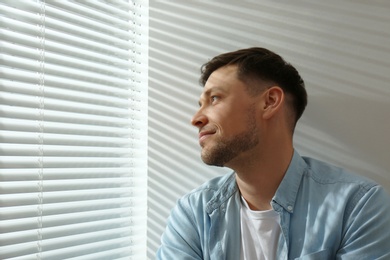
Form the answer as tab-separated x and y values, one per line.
203	135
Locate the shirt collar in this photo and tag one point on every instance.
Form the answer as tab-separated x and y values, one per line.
287	191
227	187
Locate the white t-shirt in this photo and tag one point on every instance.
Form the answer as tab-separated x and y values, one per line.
260	232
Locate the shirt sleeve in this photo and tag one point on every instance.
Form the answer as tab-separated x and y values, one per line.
367	227
180	239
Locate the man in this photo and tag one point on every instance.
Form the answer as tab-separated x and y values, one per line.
276	204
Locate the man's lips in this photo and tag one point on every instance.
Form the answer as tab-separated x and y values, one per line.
204	134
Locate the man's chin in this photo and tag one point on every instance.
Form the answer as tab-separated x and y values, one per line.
213	164
209	160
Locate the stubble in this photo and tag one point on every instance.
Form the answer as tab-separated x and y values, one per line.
226	149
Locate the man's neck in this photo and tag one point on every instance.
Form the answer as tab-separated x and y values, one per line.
258	180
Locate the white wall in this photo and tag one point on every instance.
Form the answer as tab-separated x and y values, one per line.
341	48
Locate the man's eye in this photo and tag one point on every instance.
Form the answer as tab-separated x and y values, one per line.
214	98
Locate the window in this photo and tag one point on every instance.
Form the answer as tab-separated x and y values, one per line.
73	129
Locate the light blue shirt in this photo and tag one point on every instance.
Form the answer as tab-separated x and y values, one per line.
325	213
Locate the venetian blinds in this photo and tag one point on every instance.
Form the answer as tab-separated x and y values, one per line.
73	129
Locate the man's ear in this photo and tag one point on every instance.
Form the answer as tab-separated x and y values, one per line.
273	99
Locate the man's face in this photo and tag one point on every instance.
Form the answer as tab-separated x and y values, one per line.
227	118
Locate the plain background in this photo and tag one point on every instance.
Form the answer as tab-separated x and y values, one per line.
340	48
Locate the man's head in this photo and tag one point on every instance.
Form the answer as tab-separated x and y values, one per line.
226	118
261	65
251	98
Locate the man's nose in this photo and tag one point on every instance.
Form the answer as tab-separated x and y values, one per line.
199	119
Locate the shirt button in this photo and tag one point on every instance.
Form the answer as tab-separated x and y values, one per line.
290	208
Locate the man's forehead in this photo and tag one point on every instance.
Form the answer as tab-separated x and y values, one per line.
222	72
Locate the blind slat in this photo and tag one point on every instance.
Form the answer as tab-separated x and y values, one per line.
31	198
69	173
70	207
71	117
64	185
7	98
64	93
33	65
28	223
99	87
28	125
76	140
69	247
63	162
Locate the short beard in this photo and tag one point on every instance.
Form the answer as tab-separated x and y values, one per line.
226	150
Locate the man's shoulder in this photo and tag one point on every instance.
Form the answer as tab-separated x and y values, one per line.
210	190
326	173
213	185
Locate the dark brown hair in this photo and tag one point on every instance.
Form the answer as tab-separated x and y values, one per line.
265	65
